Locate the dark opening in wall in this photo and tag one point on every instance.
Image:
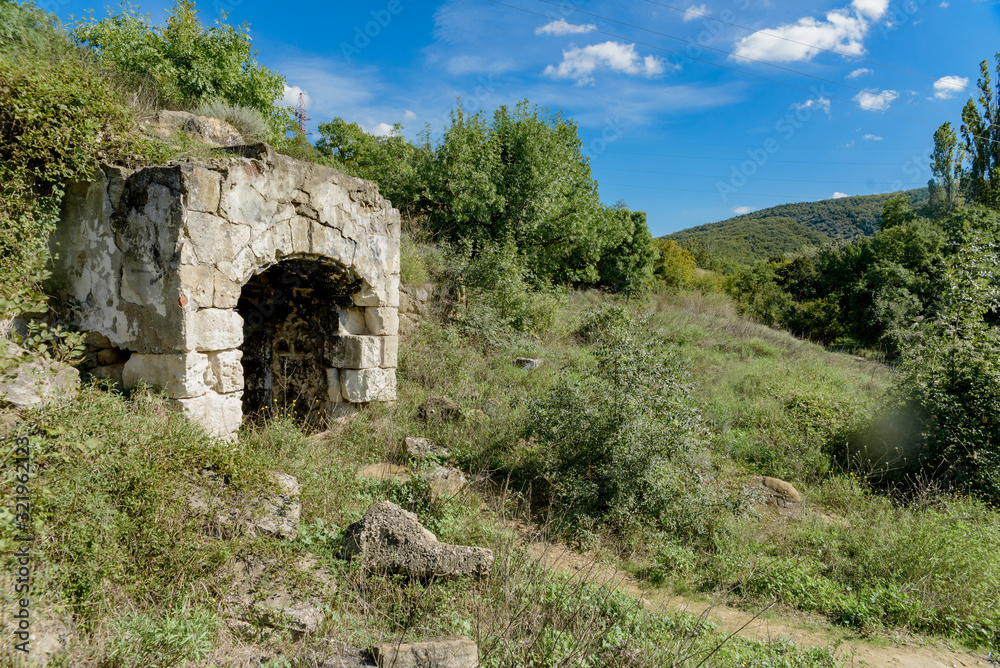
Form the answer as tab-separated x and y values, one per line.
289	312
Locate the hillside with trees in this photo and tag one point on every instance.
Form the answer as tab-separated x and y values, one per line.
780	229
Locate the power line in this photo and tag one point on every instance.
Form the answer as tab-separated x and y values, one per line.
713	64
753	178
811	46
730	53
745	158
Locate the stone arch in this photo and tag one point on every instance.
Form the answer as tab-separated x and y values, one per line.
162	258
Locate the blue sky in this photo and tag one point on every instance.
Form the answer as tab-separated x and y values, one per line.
846	103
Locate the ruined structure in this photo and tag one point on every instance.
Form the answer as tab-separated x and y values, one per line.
237	285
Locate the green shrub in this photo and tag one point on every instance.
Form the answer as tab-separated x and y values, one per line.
187	62
170	639
619	443
249	121
412	268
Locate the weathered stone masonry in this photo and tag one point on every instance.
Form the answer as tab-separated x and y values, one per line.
237	284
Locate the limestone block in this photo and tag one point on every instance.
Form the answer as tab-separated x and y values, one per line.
340	412
300	234
241	203
382	320
333	386
219	415
212	238
227	291
329	200
352	321
364	385
440	652
354	352
367	296
198	284
390	352
239	267
38	381
227	367
283	238
392	291
329	242
389	539
181	375
211	329
202	188
263	247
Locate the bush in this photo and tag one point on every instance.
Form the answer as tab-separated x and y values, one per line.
190	65
171	639
250	122
618	442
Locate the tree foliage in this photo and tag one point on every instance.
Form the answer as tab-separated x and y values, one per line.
188	63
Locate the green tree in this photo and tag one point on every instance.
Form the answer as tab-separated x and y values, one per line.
188	63
675	266
981	139
627	267
946	168
950	374
391	161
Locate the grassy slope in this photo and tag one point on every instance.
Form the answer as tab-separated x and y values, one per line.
117	545
788	227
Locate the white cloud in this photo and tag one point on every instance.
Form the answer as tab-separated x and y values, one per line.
841	32
703	10
949	86
740	210
870	137
378	130
944	5
873	9
873	100
409	116
814	103
839	195
563	27
291	98
581	63
861	71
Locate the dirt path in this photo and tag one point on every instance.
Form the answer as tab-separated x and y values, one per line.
807	631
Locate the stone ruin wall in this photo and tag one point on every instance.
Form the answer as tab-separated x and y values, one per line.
170	268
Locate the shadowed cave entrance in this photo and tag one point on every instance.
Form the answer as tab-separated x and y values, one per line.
289	313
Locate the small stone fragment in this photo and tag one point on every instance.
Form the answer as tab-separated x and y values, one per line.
528	363
421	448
439	408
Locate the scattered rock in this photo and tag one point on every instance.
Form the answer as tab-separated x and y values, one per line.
774	491
37	381
384	471
439	408
282	611
422	448
343	656
445	480
274	515
441	652
389	539
209	130
528	363
250	598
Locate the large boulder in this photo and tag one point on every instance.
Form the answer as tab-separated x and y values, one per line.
422	448
205	129
389	539
440	408
442	652
37	381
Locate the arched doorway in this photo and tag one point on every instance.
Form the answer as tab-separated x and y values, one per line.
291	311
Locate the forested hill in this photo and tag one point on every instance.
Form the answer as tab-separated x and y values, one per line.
787	227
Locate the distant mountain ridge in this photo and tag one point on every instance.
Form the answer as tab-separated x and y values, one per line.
788	227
